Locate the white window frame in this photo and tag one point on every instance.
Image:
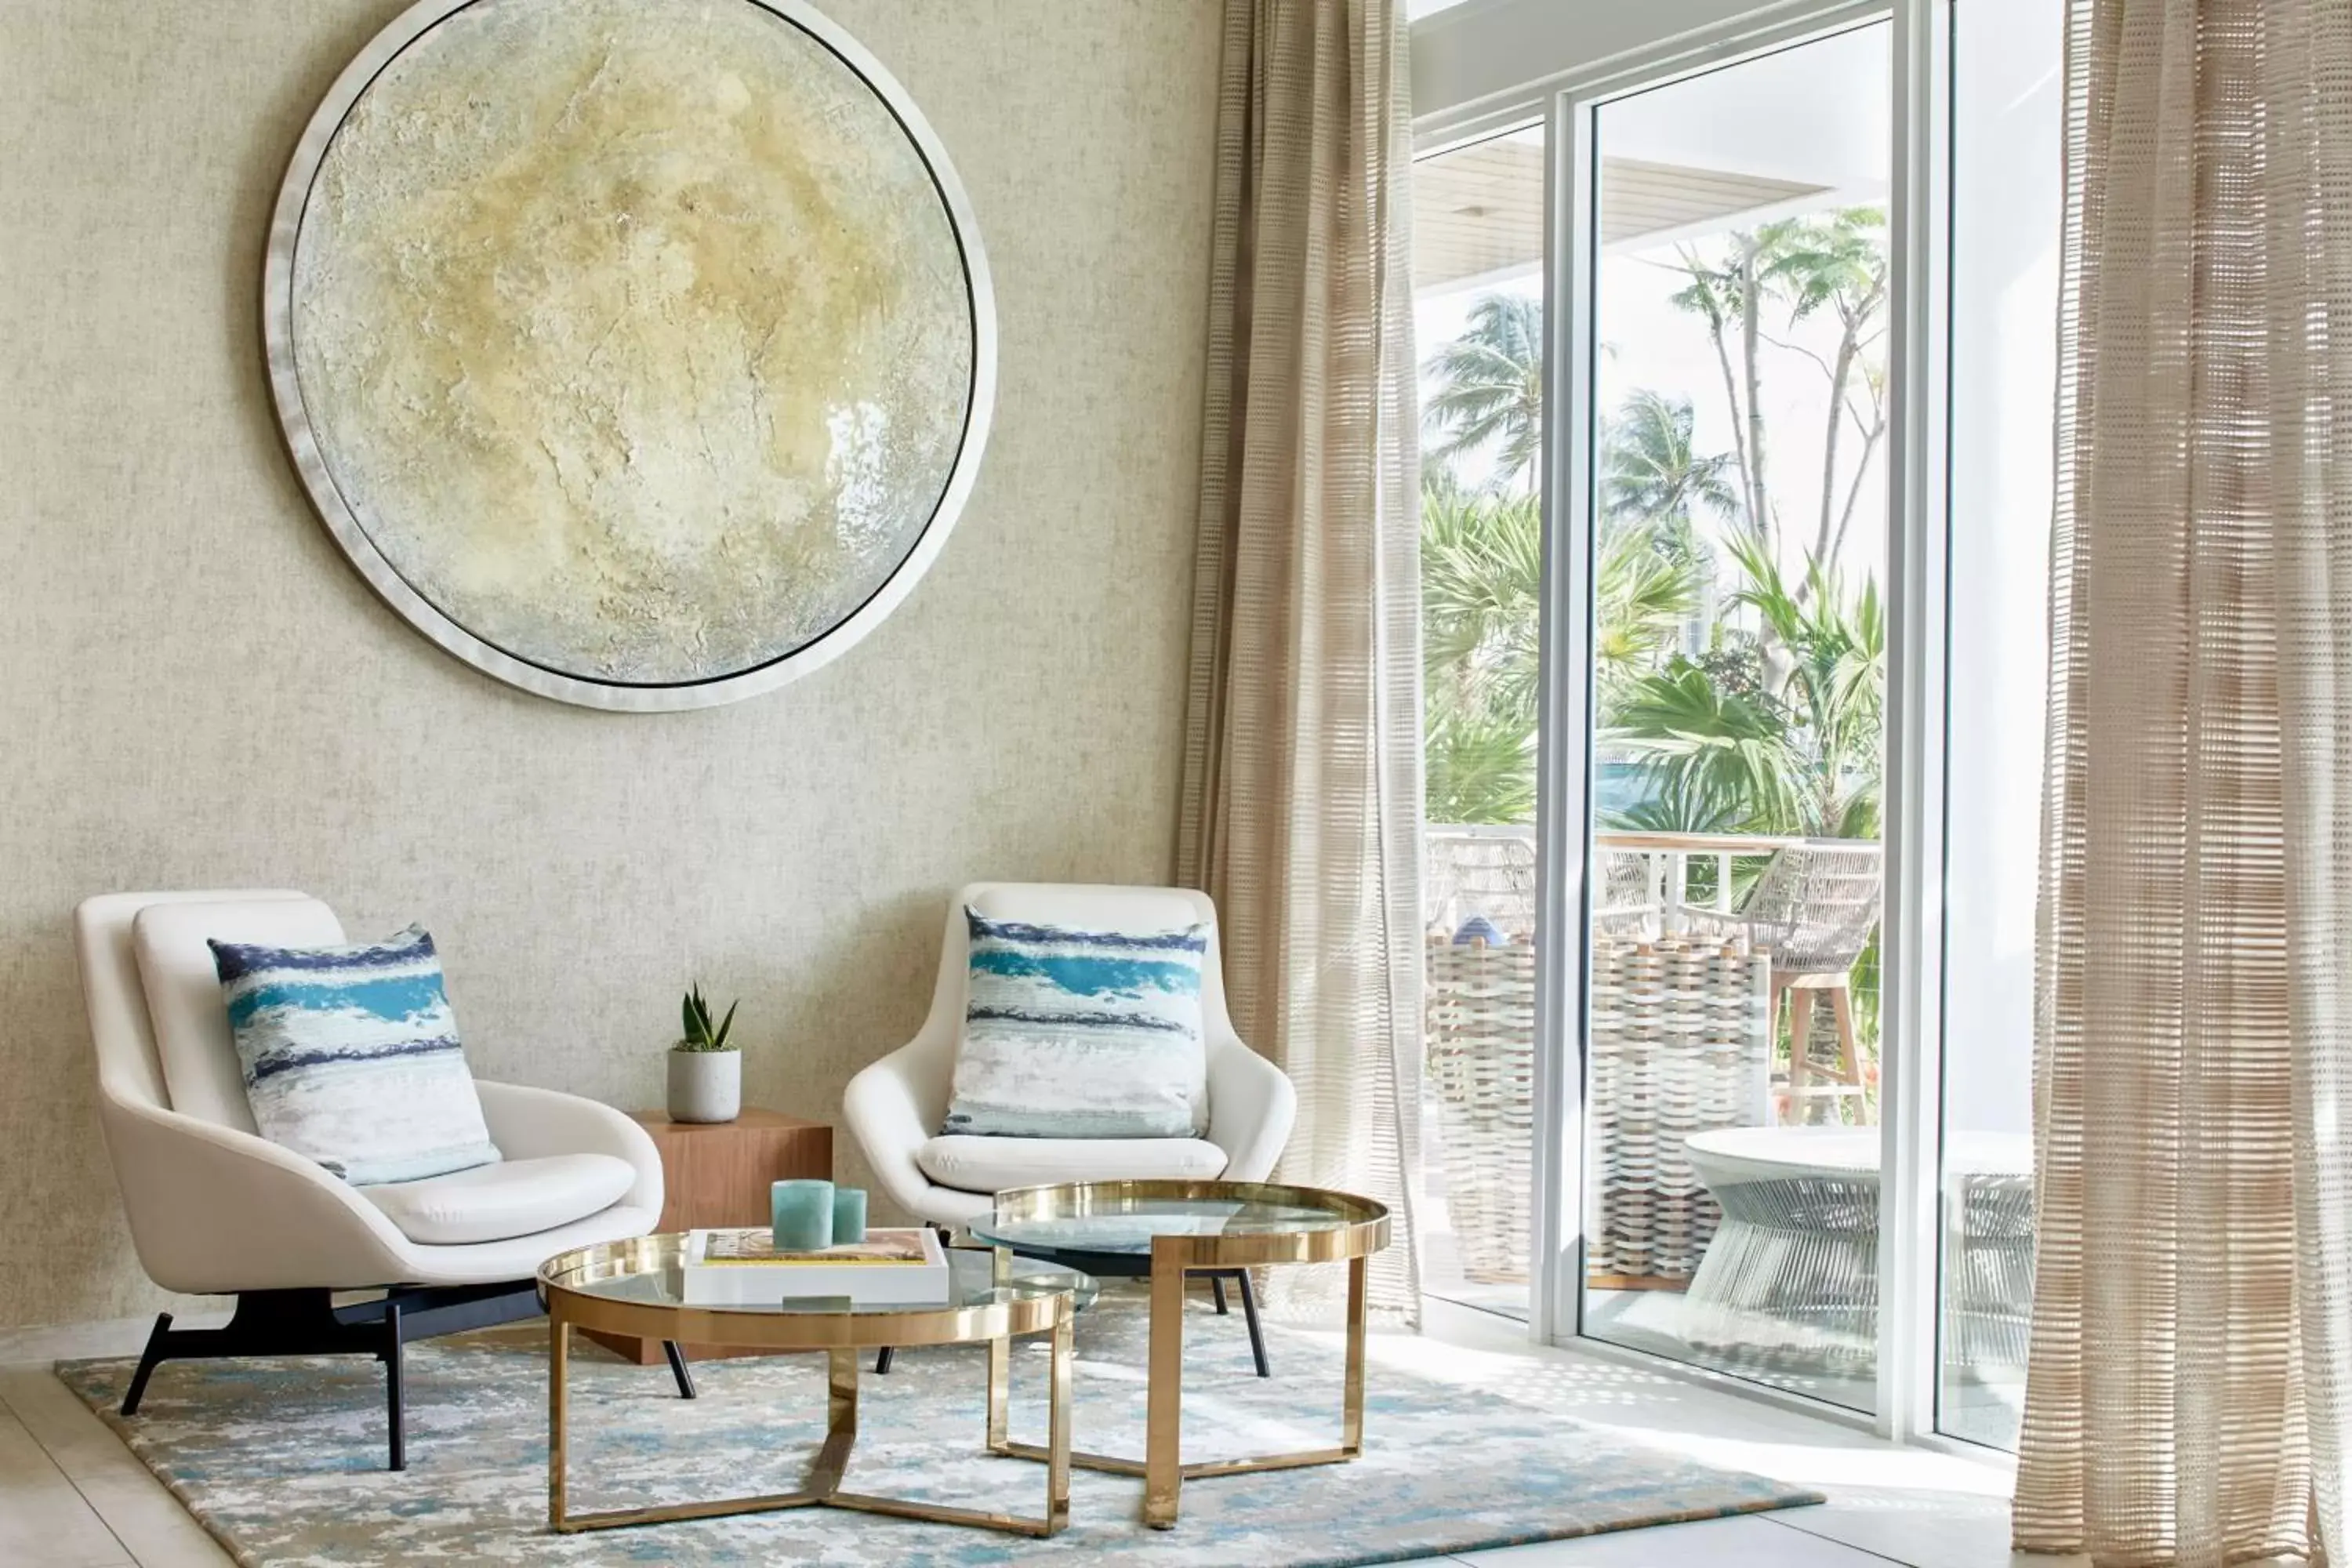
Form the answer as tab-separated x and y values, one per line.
1566	103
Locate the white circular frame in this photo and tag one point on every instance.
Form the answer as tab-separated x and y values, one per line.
309	463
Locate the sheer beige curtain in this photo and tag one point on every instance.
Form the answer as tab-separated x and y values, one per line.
2192	1323
1302	789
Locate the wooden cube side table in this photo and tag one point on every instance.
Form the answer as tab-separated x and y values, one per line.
718	1174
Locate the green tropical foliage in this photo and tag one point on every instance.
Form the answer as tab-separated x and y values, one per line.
1761	713
1481	585
1835	693
1480	767
1480	589
1716	762
1647	587
1481	581
1725	751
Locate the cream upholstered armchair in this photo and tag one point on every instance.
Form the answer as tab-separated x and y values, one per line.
894	1108
215	1209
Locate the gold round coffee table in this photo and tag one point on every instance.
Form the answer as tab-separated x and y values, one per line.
638	1288
1170	1229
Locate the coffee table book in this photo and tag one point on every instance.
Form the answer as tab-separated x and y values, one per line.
724	1267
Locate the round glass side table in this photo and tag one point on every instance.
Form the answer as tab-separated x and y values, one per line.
638	1288
1165	1231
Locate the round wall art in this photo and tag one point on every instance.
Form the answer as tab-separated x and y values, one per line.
637	351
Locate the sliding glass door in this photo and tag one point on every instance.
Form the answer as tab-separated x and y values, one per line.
1478	280
1738	672
1737	398
2006	98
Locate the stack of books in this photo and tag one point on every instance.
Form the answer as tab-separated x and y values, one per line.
888	1269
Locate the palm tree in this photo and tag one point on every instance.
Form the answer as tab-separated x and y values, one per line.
1727	294
1490	385
1838	263
1835	694
1649	475
1715	760
1797	266
1481	575
1653	486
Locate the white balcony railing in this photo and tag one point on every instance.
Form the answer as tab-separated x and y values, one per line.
1645	880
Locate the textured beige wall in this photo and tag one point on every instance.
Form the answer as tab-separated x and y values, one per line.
199	691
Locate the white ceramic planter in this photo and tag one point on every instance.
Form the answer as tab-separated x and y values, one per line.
705	1086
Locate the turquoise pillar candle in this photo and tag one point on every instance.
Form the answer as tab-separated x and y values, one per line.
848	1215
802	1215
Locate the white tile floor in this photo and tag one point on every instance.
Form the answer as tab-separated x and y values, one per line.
72	1497
1886	1503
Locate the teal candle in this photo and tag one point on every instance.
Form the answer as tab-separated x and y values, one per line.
802	1215
848	1215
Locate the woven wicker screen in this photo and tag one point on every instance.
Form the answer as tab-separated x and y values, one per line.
1678	1045
2192	1325
1482	1065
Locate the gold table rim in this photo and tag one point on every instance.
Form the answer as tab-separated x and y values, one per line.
1362	1231
1020	1307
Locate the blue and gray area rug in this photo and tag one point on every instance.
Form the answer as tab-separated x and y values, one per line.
281	1459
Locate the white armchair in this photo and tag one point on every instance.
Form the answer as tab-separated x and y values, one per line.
894	1108
215	1209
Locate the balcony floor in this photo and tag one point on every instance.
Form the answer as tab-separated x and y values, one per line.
1982	1406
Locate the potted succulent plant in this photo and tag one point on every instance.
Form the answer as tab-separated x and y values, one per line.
706	1073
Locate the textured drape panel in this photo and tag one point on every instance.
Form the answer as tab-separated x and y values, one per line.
1302	792
2190	1352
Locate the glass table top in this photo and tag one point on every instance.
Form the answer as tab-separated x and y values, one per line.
1110	1220
648	1273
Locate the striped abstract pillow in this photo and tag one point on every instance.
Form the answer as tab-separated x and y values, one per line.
1073	1034
351	1056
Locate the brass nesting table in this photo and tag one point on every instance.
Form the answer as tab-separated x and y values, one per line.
1185	1227
635	1287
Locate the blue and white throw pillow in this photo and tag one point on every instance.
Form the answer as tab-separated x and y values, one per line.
351	1056
1072	1033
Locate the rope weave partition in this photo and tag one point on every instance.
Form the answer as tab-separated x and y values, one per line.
1482	1064
1678	1045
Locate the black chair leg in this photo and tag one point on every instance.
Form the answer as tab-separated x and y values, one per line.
1217	1292
1249	1315
305	1321
882	1361
393	1393
148	1359
677	1368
